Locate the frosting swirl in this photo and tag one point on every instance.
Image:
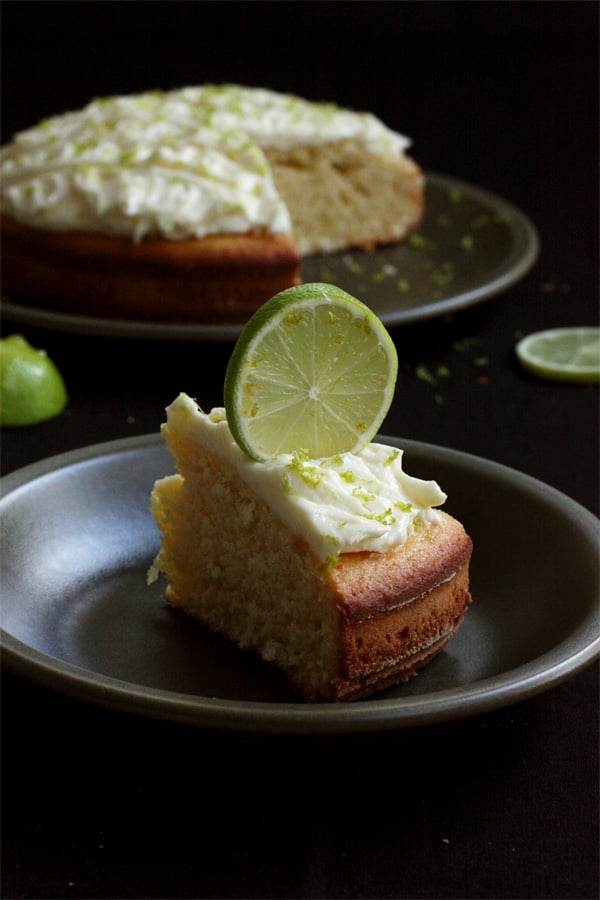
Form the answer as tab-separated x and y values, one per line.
177	164
342	504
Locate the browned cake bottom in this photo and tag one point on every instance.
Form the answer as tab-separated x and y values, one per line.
391	647
222	278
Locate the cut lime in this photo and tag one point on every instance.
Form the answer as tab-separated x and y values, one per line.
31	387
562	354
313	371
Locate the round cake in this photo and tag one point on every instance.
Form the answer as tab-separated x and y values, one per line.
195	205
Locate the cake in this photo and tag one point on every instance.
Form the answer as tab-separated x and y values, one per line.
196	204
343	572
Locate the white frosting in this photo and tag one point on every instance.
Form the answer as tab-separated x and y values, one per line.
350	502
185	163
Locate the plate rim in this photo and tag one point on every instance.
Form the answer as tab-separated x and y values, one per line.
514	267
551	668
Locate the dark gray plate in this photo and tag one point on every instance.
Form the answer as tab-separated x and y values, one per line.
471	246
78	617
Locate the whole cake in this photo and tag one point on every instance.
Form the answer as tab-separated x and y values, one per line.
342	572
197	204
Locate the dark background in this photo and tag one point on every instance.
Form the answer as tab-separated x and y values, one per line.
504	95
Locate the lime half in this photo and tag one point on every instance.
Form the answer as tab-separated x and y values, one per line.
313	371
31	387
562	354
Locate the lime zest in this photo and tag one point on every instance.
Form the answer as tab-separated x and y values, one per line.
392	457
310	475
386	518
362	495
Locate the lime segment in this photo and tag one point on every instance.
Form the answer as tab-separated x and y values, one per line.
31	387
314	370
562	354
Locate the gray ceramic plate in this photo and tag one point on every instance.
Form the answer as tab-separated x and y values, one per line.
471	246
79	618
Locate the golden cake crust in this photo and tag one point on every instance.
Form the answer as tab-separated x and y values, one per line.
372	583
219	278
391	646
399	608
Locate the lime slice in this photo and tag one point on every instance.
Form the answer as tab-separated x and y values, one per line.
562	354
313	371
31	387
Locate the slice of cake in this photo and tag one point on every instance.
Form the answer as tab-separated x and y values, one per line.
342	572
195	205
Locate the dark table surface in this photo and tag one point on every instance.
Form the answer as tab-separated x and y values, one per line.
100	804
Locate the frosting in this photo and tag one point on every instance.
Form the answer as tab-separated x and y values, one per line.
342	504
177	164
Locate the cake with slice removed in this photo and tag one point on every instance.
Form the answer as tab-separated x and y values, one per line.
195	205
